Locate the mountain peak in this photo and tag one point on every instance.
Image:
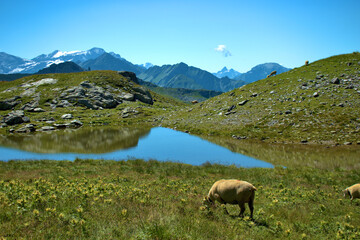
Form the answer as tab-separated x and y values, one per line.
96	50
225	72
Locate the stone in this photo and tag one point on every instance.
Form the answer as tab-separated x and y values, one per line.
9	103
67	116
144	98
64	104
47	128
86	84
73	93
109	103
15	117
231	108
86	103
28	92
316	94
254	95
75	124
38	110
27	128
128	97
60	125
129	75
335	81
242	102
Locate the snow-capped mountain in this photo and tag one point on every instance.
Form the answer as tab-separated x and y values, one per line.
146	65
19	65
9	62
230	73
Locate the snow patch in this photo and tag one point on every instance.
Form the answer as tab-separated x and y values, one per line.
62	54
57	61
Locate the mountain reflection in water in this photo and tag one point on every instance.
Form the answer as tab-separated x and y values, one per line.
83	140
161	144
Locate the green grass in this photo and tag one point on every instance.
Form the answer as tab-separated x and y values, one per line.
134	199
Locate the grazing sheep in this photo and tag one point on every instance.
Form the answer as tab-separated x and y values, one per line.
233	192
271	74
353	191
306	62
194	102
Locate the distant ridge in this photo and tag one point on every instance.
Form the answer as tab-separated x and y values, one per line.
183	76
261	71
66	67
108	61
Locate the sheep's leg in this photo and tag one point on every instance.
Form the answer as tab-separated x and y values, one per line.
225	210
251	206
242	209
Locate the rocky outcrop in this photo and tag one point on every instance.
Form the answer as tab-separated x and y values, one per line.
91	96
15	117
9	103
129	75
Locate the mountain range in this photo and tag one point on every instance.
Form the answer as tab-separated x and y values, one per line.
261	71
172	76
183	76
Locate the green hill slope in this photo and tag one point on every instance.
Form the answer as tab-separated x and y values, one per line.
94	98
318	103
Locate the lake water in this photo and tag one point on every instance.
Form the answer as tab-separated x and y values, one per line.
158	143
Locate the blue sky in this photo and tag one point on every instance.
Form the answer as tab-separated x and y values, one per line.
206	34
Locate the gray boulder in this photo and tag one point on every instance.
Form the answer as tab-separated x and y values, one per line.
75	124
335	81
67	116
128	97
9	103
143	95
86	84
48	128
86	103
129	75
26	129
15	117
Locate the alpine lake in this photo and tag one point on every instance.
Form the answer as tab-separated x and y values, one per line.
164	144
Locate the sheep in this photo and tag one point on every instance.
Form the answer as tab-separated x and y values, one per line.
194	102
233	192
353	191
306	62
271	74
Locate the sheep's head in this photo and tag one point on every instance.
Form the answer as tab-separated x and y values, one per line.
207	201
347	192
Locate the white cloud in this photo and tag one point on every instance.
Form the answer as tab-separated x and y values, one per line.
222	48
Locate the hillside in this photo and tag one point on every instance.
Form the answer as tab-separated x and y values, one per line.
39	102
318	103
183	76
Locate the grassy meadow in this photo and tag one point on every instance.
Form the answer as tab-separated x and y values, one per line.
136	199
